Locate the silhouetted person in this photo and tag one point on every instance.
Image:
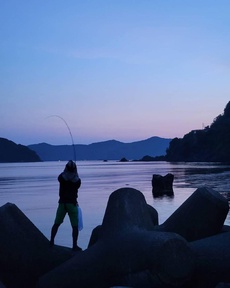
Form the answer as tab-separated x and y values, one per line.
68	194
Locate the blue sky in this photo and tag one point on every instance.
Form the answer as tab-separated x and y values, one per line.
113	69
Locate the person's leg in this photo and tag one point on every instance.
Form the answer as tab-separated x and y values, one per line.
73	216
53	233
60	215
75	237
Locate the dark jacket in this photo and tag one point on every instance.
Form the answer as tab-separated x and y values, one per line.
68	189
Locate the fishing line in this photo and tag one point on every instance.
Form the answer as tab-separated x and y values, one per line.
73	145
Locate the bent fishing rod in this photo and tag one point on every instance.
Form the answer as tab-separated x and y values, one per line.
71	136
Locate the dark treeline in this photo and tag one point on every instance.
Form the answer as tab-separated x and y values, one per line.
212	144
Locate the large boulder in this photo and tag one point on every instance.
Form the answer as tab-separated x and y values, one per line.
189	250
212	260
152	212
125	245
2	286
25	254
201	215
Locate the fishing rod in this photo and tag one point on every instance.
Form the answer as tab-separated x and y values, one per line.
73	145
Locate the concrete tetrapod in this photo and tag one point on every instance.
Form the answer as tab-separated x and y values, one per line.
97	231
25	254
126	245
201	215
212	260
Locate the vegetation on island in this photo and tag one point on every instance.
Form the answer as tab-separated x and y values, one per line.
211	144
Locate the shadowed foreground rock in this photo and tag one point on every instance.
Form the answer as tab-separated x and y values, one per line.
201	215
25	254
212	260
128	249
97	232
2	286
126	245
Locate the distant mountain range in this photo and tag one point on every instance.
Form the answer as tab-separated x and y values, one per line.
107	150
211	144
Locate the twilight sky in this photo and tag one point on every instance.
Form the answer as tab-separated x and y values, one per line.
113	69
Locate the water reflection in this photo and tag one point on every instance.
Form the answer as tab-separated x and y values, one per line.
33	187
212	175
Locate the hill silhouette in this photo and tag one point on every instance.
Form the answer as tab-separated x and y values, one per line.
211	144
12	152
106	150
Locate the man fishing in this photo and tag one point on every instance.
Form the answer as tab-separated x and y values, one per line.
69	183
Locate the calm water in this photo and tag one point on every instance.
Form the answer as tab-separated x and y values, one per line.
33	187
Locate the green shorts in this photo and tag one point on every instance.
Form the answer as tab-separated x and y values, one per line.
69	208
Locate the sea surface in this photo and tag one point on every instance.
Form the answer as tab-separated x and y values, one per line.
33	187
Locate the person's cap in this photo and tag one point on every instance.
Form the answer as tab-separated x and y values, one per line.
71	166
